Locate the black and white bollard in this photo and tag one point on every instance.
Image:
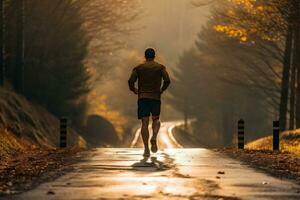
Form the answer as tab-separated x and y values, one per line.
241	134
276	131
63	132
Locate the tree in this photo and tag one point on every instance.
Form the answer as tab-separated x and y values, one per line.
183	97
276	21
65	40
236	70
296	5
108	23
55	46
2	44
19	68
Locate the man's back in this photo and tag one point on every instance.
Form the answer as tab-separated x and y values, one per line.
149	76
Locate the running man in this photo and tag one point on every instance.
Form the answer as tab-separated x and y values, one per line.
149	76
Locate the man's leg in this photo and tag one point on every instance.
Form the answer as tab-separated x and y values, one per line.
145	135
155	129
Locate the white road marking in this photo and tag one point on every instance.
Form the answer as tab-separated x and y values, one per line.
166	137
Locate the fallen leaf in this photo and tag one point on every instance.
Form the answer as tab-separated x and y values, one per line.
50	192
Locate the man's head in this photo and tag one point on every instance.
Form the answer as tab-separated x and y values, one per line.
150	54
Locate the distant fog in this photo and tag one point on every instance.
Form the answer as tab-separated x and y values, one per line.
170	26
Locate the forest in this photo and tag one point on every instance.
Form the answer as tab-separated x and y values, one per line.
55	52
244	63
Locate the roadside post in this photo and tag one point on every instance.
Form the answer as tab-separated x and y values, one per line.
63	132
276	135
241	134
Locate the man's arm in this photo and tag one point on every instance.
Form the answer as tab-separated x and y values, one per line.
131	82
166	79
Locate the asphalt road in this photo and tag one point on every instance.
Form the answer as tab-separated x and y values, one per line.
172	173
165	138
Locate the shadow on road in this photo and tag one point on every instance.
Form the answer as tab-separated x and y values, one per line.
152	164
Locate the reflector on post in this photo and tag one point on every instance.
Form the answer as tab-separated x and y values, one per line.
63	132
241	134
276	135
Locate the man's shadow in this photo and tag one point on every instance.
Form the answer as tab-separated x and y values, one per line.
149	164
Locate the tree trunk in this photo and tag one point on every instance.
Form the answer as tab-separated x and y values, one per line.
293	98
2	44
19	71
297	64
298	91
285	80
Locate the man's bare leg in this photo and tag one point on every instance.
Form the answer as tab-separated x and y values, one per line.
155	129
145	135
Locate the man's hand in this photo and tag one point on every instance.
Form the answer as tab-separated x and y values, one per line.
165	86
135	91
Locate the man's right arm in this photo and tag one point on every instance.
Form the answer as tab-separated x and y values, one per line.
131	82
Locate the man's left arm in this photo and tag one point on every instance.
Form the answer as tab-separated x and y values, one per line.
166	79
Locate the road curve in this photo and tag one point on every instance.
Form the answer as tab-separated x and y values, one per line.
166	140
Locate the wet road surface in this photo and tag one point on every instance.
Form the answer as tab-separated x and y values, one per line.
172	173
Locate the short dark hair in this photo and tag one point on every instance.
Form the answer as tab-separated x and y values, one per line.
150	53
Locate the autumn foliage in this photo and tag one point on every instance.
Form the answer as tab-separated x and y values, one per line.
248	57
66	44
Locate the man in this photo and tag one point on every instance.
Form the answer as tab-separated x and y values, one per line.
149	76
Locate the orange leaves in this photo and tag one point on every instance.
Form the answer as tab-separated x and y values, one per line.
248	4
260	8
232	31
231	13
248	20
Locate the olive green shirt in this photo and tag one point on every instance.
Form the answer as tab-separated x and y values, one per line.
149	76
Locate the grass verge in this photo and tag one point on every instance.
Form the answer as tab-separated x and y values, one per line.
289	143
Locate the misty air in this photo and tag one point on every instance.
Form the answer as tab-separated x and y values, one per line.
149	99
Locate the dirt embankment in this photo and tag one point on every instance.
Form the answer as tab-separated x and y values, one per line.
24	124
29	137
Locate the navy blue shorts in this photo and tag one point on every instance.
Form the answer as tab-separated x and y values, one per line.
147	107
